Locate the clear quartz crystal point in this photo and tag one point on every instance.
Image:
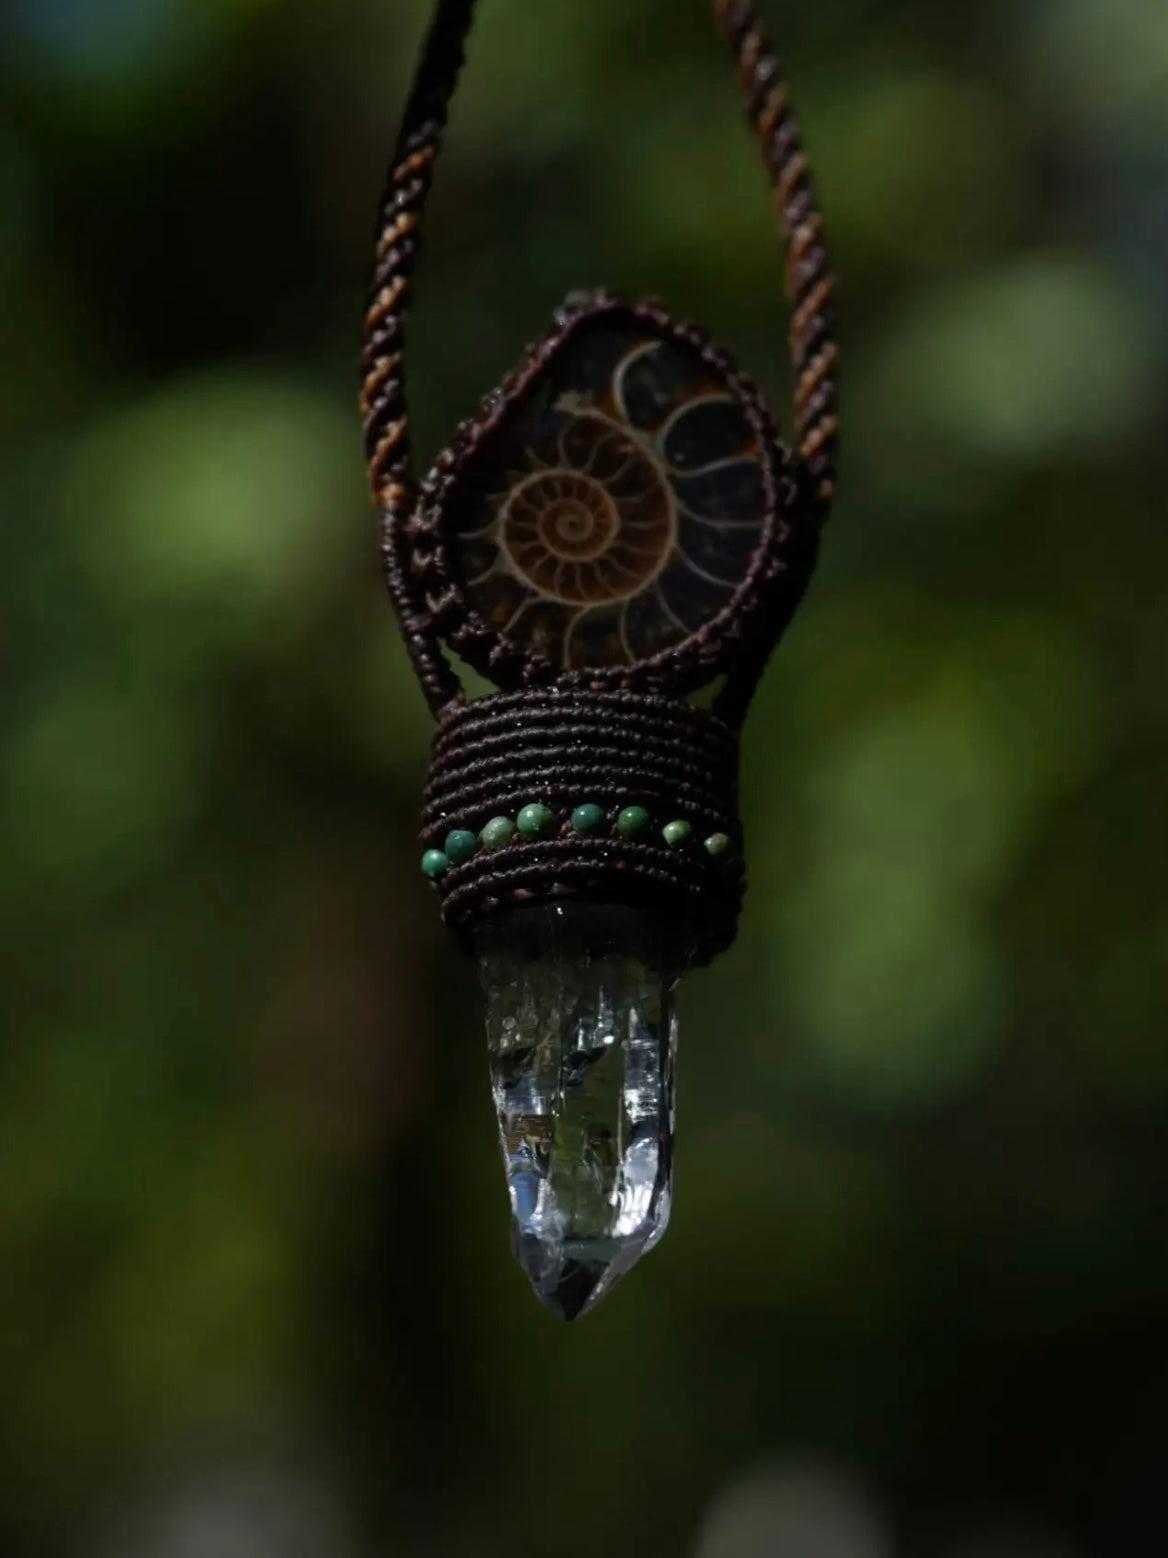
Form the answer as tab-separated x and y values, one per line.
582	1037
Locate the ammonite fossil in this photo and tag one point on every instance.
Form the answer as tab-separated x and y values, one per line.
620	504
619	527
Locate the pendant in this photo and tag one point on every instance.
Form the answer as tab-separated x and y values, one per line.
620	527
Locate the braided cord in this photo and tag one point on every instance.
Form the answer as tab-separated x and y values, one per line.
383	390
810	284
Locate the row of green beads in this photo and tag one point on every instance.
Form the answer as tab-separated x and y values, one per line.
633	821
537	821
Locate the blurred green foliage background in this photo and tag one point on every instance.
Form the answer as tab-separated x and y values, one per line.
256	1299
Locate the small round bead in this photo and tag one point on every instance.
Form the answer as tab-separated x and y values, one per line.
535	821
497	833
586	819
675	834
633	820
719	845
435	863
461	845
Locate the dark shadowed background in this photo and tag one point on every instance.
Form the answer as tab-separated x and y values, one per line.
256	1298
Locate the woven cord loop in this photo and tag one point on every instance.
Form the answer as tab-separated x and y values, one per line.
383	406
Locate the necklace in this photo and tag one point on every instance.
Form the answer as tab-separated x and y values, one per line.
619	527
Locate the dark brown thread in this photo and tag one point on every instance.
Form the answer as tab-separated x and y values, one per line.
499	753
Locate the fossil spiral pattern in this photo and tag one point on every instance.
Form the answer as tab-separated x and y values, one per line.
617	506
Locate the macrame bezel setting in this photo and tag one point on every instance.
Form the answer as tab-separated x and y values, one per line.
770	587
605	753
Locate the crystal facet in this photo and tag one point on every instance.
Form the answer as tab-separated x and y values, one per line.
582	1037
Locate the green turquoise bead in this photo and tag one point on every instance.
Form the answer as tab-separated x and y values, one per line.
461	845
497	833
676	833
719	845
633	820
535	821
435	863
586	819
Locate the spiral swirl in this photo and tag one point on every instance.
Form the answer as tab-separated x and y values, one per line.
619	505
596	527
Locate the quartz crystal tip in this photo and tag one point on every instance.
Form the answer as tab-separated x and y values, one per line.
566	1283
582	1038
